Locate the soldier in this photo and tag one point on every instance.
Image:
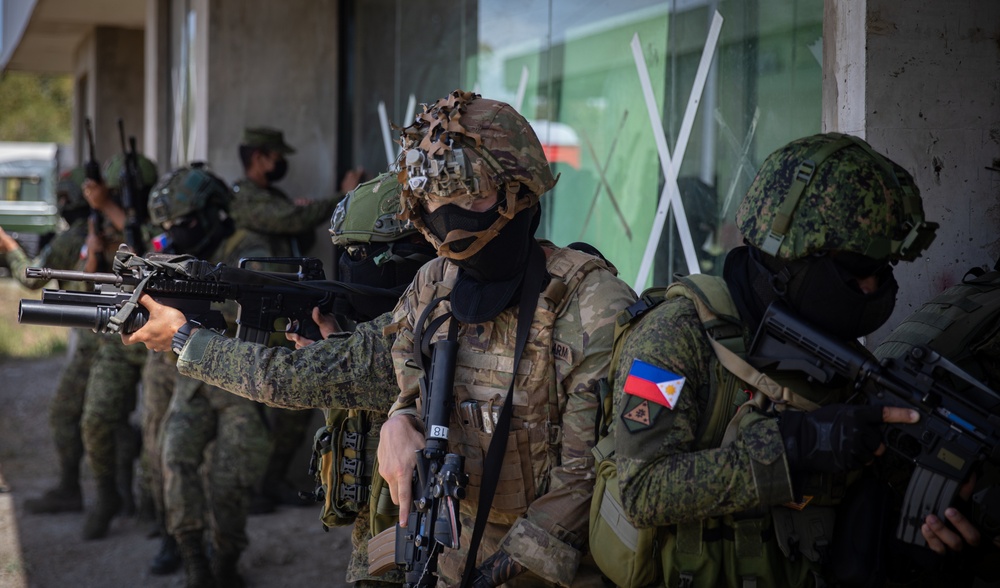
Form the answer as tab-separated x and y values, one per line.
380	251
751	502
474	173
264	209
108	437
63	252
204	424
537	532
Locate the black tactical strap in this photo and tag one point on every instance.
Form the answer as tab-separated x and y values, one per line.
530	290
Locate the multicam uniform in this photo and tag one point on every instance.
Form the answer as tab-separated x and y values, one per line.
539	514
202	416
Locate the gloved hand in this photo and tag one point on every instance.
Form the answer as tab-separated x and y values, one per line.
834	438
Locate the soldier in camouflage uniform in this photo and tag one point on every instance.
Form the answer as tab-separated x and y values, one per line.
62	252
569	353
474	172
287	225
108	437
204	425
822	222
377	250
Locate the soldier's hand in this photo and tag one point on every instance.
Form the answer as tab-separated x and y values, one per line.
399	440
96	194
7	243
940	538
327	326
159	330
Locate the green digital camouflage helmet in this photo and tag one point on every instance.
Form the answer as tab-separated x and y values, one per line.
370	214
113	171
458	147
69	191
185	191
833	192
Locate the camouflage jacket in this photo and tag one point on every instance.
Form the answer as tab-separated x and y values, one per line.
550	534
62	252
664	478
349	370
271	213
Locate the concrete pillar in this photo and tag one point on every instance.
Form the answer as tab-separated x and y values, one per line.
109	70
930	100
157	83
275	64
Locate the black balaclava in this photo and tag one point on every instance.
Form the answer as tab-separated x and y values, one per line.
820	288
489	281
190	235
391	266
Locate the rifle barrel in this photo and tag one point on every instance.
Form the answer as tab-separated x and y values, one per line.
46	273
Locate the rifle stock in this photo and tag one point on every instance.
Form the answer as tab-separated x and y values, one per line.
959	424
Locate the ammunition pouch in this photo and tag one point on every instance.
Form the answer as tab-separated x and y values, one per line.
343	461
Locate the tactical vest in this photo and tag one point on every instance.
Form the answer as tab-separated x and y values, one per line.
961	324
779	547
342	462
482	378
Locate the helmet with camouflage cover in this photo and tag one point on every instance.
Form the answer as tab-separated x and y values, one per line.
833	192
460	149
115	166
370	214
186	191
69	191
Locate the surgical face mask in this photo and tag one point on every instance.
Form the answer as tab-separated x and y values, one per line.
278	171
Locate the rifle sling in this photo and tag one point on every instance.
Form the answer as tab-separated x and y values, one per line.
531	289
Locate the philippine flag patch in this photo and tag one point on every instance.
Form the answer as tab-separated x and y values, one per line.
654	384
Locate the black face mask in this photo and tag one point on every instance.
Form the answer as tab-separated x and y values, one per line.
278	171
503	257
379	265
825	293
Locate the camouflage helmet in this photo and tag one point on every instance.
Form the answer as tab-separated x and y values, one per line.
833	192
185	191
459	149
370	214
69	191
114	167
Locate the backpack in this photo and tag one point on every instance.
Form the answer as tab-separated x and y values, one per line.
629	556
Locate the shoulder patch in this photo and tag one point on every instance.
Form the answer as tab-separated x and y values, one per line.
562	351
653	383
640	414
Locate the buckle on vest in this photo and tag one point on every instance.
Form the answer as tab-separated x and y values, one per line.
354	440
354	492
352	467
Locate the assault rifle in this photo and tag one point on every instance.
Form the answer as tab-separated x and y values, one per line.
92	170
439	479
959	426
133	200
191	286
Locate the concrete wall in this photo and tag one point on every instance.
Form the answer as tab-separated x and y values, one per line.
929	98
109	72
275	64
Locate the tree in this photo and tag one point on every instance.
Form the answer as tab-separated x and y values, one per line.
36	107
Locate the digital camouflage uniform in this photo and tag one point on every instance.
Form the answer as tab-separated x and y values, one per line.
272	215
201	417
722	505
543	524
66	408
159	377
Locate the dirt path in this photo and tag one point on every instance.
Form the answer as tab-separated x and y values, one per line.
287	548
